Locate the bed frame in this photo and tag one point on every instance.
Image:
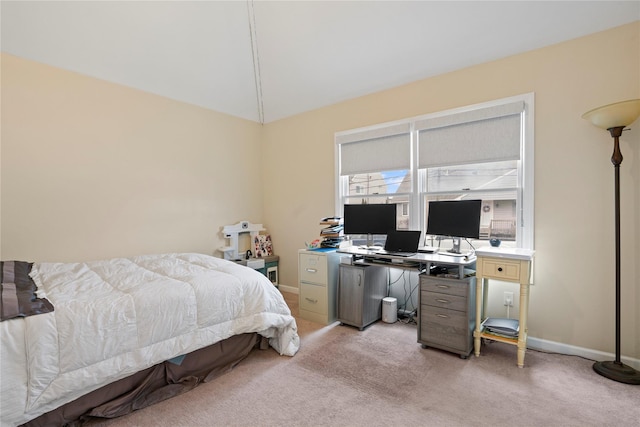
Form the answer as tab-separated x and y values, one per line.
155	384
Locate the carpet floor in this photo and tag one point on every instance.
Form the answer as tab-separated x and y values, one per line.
382	377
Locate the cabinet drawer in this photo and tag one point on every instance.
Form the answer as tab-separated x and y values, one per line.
313	298
435	299
501	269
444	317
445	286
445	327
313	268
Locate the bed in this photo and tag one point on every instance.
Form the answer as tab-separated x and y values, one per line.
124	333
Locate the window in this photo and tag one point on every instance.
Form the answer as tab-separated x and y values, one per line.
375	167
483	151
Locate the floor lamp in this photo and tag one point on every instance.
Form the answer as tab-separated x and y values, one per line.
614	118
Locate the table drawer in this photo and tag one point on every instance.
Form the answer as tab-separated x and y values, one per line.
445	286
313	298
313	268
435	299
501	269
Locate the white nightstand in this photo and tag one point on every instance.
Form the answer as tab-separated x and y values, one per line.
507	265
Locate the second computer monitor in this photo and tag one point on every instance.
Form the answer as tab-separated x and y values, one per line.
454	218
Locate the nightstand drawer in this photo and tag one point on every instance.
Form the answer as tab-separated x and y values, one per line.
313	298
452	302
313	268
501	269
445	286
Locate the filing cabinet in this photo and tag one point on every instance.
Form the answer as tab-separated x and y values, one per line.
447	313
317	281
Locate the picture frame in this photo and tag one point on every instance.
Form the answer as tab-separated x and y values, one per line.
262	245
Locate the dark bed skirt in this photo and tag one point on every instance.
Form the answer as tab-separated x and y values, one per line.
155	384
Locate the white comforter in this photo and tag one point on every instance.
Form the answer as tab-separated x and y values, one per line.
113	318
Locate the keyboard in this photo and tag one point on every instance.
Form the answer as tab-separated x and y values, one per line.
402	254
427	250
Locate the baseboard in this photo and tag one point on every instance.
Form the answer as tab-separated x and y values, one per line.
290	289
546	345
556	347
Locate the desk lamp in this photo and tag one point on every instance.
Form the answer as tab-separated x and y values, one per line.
614	118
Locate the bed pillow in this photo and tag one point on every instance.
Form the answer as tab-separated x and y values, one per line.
18	292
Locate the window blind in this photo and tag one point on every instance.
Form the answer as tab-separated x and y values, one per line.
485	135
375	150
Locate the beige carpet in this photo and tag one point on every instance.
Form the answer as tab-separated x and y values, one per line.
382	377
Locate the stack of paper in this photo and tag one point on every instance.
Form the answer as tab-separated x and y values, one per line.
508	328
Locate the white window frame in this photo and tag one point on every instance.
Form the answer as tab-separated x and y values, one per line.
525	197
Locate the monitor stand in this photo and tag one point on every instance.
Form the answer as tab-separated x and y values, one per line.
455	249
370	246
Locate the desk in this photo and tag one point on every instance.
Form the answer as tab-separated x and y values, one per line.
446	302
419	261
508	265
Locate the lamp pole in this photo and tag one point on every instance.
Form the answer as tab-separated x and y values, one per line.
614	118
616	159
616	370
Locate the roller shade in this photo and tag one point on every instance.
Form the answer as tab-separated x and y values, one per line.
375	151
486	135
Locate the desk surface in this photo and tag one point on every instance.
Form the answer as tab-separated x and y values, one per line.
417	258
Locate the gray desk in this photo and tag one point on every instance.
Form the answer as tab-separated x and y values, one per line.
446	302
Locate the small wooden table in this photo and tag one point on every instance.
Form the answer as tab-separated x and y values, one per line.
507	265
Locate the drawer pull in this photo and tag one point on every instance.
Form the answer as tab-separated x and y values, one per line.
443	316
443	286
314	301
499	268
312	270
443	301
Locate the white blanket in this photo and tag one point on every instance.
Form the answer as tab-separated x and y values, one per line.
114	318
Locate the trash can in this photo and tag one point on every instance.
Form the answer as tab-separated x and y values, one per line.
389	310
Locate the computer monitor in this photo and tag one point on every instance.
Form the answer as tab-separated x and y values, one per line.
369	219
456	219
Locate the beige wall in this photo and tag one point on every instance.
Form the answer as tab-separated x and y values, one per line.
572	301
93	170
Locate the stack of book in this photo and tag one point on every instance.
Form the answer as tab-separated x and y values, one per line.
332	232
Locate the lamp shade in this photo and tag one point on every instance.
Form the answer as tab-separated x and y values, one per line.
614	115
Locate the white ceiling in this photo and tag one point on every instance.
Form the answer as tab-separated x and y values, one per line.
310	53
